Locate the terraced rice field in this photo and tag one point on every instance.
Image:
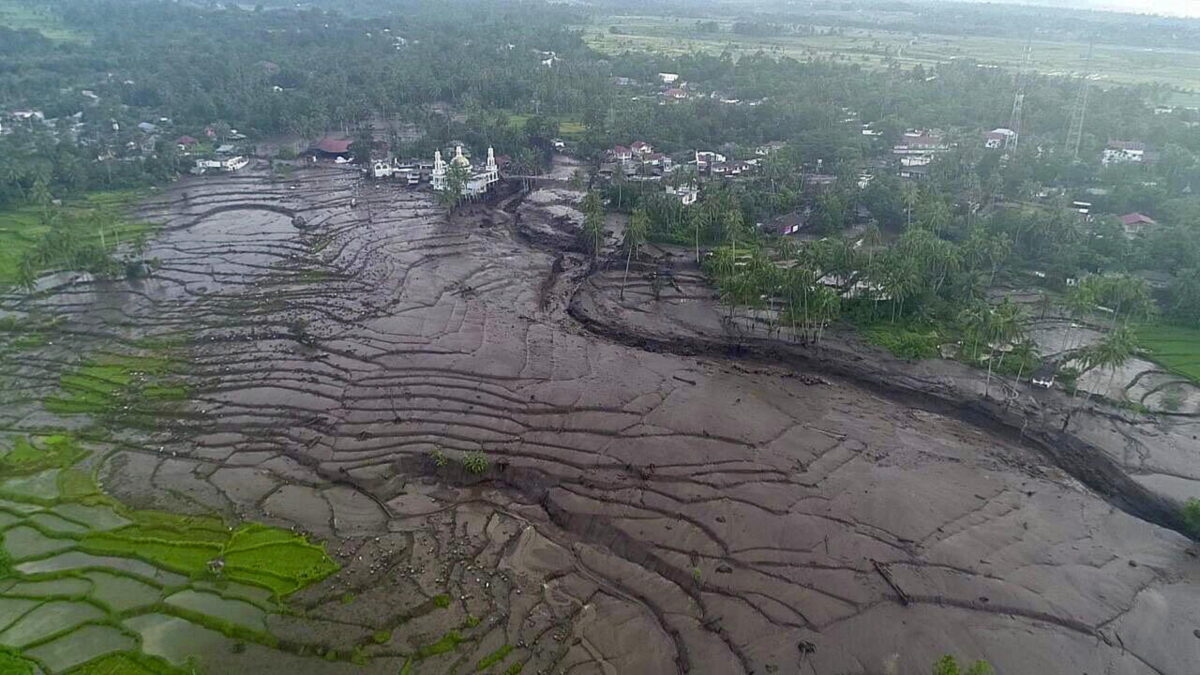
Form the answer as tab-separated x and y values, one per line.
380	444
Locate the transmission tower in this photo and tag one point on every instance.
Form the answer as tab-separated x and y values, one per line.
1075	131
1014	121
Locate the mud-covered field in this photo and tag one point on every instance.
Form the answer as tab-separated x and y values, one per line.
507	489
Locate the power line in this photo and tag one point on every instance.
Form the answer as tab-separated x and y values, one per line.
1079	112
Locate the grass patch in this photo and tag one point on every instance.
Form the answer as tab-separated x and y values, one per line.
126	663
448	642
493	658
567	127
39	453
13	664
1173	347
906	340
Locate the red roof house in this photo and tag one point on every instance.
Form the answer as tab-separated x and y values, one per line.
1136	219
1135	222
675	94
186	141
333	146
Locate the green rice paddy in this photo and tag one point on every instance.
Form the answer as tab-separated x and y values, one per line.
91	220
1175	348
82	576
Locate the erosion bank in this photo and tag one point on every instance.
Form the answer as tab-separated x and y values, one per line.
1045	419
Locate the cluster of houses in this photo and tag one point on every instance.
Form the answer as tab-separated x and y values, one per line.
143	140
640	162
637	161
916	151
1126	152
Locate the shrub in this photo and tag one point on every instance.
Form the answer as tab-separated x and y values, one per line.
1191	516
476	462
948	665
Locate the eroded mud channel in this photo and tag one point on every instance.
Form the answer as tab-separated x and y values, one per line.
506	491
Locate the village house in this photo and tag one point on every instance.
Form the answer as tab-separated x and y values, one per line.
914	172
668	78
998	138
787	225
687	194
819	182
641	148
620	153
186	142
920	142
706	158
331	148
1124	152
675	94
1135	224
767	149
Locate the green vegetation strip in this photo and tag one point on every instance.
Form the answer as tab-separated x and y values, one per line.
116	383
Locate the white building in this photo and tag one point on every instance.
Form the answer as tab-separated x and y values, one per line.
668	78
687	194
769	148
1124	152
706	158
227	164
998	138
478	179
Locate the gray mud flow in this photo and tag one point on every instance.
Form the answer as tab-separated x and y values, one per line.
410	388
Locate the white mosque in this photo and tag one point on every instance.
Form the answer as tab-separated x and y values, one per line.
478	179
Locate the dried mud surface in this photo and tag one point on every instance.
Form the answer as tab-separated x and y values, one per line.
640	511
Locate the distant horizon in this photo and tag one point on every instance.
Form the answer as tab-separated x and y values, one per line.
1176	8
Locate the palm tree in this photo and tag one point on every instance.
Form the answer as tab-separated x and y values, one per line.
1079	303
1112	351
593	222
635	236
1004	326
911	197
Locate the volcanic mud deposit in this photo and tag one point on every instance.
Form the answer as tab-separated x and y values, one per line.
506	491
